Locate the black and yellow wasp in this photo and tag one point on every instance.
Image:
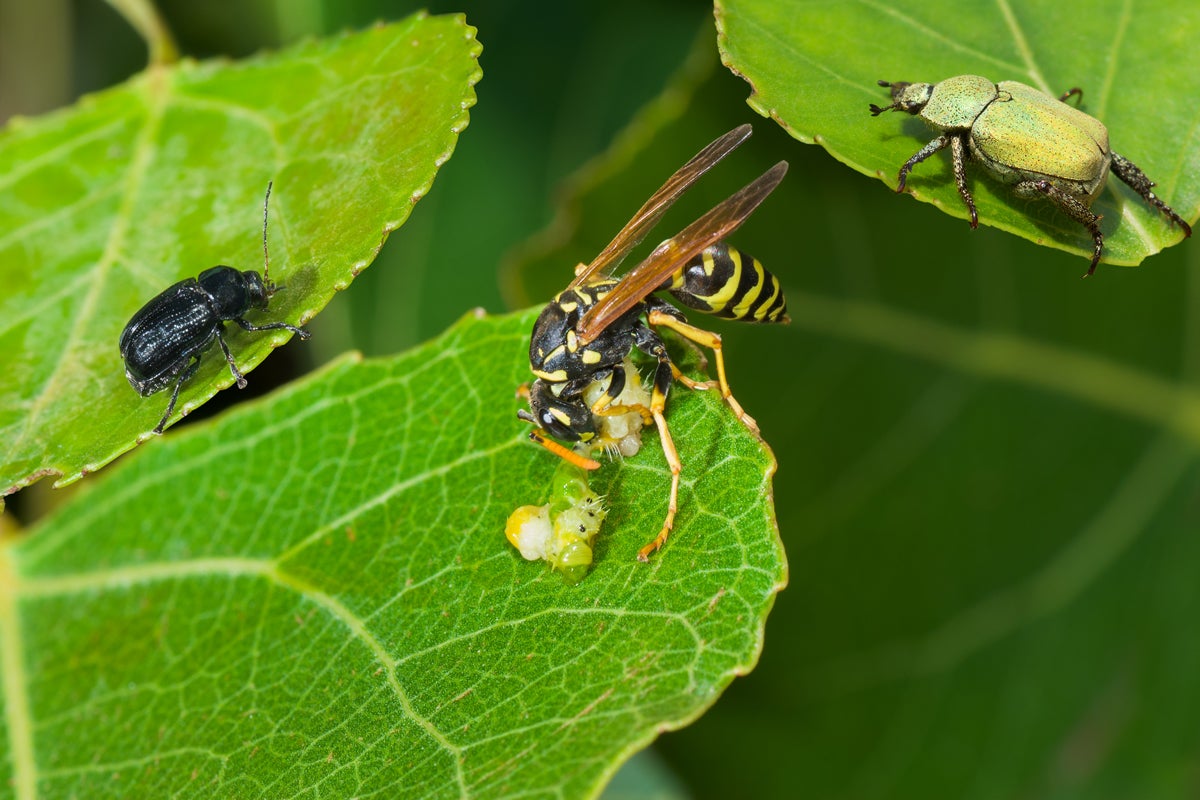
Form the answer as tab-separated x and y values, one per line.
586	332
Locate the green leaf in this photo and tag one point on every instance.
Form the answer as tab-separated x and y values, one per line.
316	591
108	203
813	67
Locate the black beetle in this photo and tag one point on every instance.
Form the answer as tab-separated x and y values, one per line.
166	338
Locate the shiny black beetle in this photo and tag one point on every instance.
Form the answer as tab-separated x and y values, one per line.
166	337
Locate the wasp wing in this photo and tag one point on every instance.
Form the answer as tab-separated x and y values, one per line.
722	220
649	214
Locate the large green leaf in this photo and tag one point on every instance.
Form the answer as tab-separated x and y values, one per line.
314	595
813	67
107	203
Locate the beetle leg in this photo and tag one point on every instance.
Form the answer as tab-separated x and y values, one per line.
925	152
658	401
1074	91
184	374
237	375
272	326
1074	209
958	151
1129	172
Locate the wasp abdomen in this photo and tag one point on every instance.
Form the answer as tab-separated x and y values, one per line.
731	284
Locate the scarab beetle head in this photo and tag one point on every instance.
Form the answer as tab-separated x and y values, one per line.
909	97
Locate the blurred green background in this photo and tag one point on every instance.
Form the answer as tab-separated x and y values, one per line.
988	485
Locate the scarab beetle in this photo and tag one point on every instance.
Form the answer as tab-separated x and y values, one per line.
584	334
1041	145
166	338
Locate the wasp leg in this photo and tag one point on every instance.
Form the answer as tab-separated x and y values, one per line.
658	402
700	386
184	374
616	384
713	342
702	357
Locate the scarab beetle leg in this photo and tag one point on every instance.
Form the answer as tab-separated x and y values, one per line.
1074	91
925	152
1074	209
958	151
237	374
713	342
658	401
184	374
1129	172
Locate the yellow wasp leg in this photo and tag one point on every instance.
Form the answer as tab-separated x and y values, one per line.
713	342
658	401
688	382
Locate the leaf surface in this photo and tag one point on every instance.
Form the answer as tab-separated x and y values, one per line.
316	591
106	204
813	67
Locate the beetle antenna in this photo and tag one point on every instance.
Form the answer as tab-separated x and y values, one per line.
266	253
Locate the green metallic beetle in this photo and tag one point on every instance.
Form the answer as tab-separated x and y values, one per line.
1024	137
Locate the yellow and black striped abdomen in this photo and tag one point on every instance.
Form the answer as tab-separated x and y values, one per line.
724	281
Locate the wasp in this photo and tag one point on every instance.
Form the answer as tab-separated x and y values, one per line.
586	332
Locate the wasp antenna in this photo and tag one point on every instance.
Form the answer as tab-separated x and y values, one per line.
266	253
566	454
